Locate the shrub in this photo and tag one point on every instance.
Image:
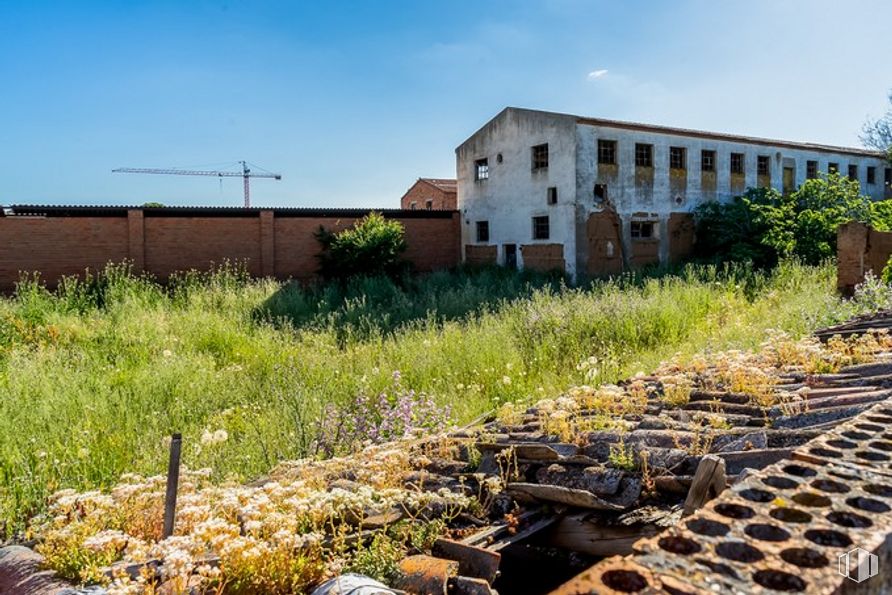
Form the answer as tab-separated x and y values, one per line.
372	247
764	225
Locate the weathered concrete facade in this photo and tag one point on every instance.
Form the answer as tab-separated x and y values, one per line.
617	195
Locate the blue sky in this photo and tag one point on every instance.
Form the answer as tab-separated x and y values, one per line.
353	101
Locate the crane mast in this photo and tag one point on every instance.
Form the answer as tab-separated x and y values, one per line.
246	174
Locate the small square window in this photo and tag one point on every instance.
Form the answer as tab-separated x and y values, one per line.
481	169
832	168
540	228
413	206
707	160
763	165
644	155
540	157
642	230
871	175
552	195
607	152
677	158
737	163
483	231
811	170
429	205
853	171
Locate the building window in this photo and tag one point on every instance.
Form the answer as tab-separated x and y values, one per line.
540	228
677	158
763	165
483	231
429	205
889	176
600	192
832	168
853	171
644	155
642	230
481	169
811	169
707	160
540	157
871	175
552	195
607	152
737	163
413	205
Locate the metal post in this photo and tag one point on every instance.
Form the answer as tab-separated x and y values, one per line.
173	480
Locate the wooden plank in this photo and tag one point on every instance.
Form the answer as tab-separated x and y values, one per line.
560	495
472	561
709	481
578	533
525	533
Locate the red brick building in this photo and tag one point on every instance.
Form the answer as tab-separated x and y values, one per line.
431	194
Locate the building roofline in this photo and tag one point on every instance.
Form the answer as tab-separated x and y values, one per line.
658	129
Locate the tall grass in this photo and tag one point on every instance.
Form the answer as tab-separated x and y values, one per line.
94	375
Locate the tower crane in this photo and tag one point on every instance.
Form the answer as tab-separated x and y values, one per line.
246	174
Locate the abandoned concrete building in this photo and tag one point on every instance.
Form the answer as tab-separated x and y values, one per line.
431	194
591	196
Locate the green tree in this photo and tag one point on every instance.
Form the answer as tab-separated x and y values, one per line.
877	134
764	225
373	246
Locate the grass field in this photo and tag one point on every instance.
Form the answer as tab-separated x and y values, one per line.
94	375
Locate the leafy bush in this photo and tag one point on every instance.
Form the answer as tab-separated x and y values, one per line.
372	247
764	225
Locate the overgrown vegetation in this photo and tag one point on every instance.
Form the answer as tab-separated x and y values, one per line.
95	375
372	247
763	225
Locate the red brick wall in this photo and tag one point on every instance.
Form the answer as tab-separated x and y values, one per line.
283	246
421	192
59	246
860	249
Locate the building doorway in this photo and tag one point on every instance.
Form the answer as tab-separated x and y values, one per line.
511	256
789	180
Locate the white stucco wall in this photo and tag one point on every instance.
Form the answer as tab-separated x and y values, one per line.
514	193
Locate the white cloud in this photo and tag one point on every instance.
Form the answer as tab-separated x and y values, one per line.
596	74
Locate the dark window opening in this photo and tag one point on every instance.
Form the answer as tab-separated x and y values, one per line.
601	191
540	228
871	175
853	171
483	231
644	155
707	160
832	168
481	169
552	195
737	163
811	169
607	152
889	176
763	165
413	205
642	230
677	158
429	205
540	156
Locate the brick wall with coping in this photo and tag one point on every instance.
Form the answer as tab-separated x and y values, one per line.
59	241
